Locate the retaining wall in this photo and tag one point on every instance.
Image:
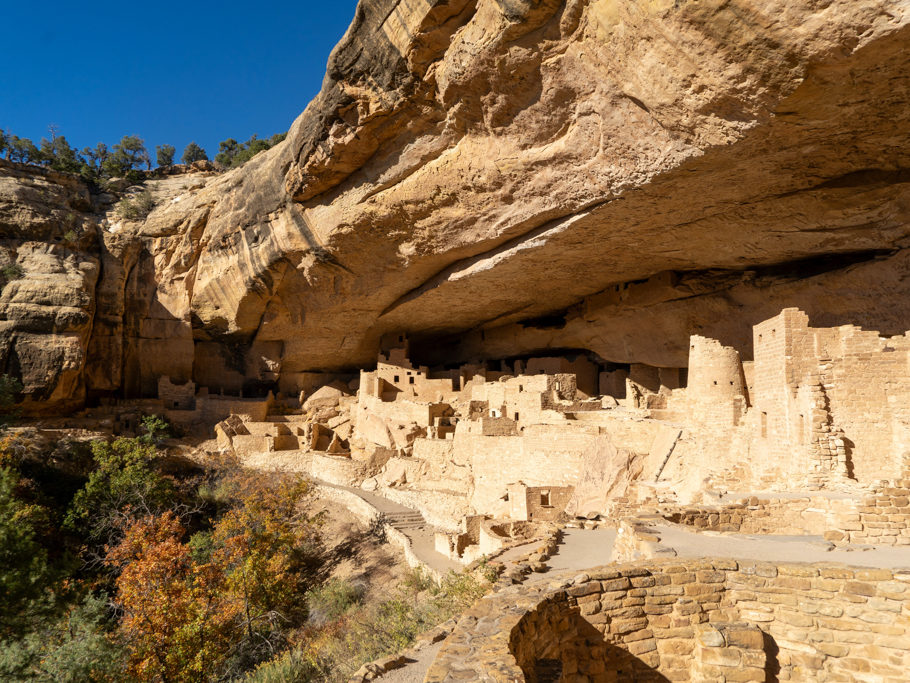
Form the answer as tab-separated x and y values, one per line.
718	620
880	516
366	513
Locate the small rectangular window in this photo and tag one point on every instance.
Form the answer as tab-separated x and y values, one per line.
410	380
397	379
545	499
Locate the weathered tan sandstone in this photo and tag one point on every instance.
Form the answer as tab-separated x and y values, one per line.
512	170
552	151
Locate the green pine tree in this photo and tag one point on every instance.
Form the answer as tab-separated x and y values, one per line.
164	155
194	152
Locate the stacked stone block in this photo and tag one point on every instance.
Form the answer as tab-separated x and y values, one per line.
652	621
882	518
728	652
827	462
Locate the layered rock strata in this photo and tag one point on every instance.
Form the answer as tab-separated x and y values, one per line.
500	177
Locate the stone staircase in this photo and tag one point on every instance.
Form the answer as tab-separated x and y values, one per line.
402	521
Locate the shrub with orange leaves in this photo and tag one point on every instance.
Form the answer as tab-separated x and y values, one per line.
178	624
194	613
265	544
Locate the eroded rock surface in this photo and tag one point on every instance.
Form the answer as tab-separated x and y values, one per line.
499	177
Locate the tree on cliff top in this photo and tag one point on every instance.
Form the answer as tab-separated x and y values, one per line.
128	155
232	153
194	152
95	158
227	151
22	150
58	154
165	155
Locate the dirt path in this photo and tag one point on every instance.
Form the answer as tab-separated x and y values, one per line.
352	554
583	548
414	671
410	522
777	548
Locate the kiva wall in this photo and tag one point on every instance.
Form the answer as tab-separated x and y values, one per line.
689	621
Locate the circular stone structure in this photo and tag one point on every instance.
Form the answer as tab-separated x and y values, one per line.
680	620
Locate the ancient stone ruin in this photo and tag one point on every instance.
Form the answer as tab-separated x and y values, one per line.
820	412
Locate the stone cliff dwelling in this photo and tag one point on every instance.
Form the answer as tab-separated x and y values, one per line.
822	409
811	432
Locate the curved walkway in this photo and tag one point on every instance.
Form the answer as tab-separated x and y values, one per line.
407	521
580	549
770	548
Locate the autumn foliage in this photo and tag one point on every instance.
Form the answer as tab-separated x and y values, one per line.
177	624
119	564
191	615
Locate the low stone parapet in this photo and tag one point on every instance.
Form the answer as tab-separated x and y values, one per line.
682	620
372	517
880	516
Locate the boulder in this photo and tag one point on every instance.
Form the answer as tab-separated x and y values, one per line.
327	396
394	474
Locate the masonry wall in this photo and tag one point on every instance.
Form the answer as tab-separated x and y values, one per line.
585	372
881	518
526	398
830	402
613	383
545	455
870	401
775	420
657	622
401	411
177	396
213	409
716	388
538	503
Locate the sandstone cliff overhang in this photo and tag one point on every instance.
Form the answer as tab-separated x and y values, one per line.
499	177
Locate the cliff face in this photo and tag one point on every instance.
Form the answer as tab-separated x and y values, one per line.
504	176
50	265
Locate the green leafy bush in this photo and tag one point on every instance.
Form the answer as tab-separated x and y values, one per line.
333	599
232	153
123	483
332	652
12	271
156	429
74	648
136	207
24	569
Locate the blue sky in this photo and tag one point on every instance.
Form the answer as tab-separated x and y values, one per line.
167	71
